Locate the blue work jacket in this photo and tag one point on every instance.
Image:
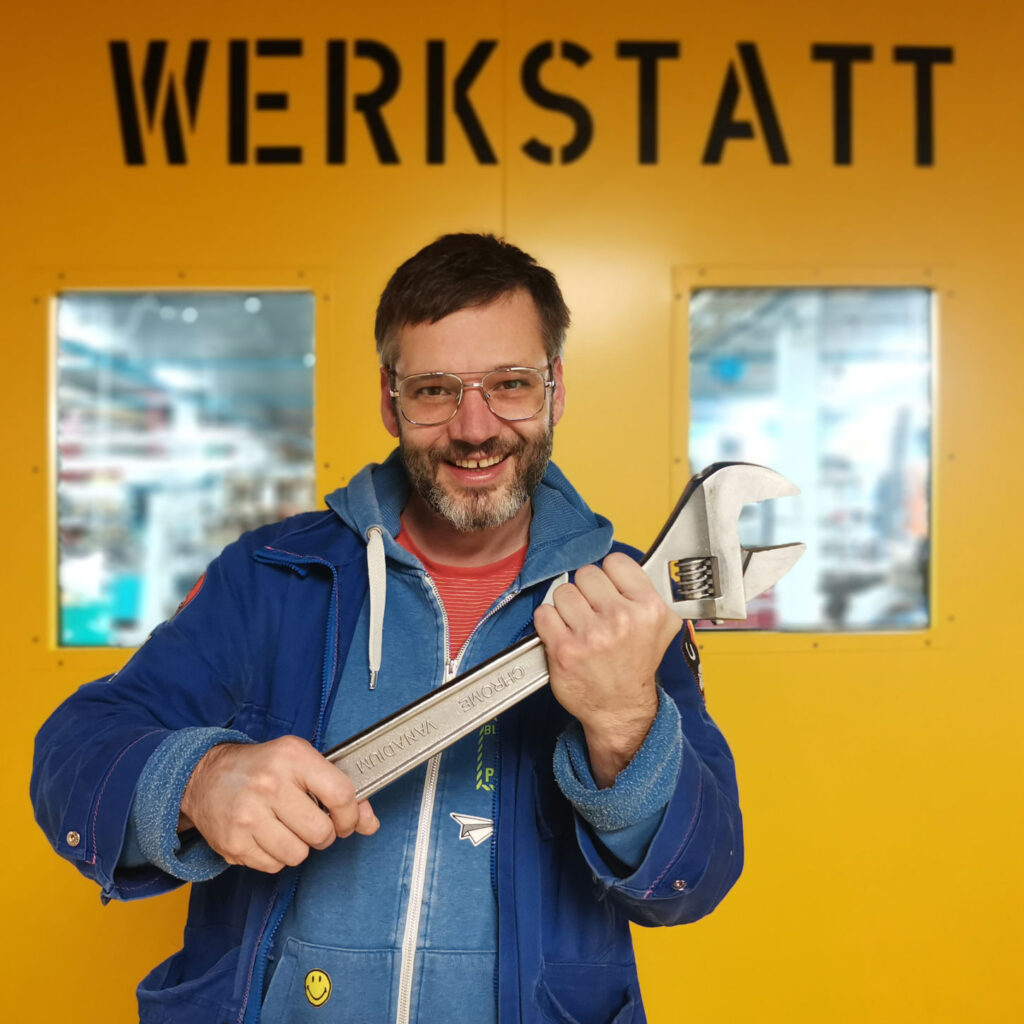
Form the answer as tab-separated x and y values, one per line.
277	609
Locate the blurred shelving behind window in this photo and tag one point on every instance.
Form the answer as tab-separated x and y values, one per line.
831	387
183	419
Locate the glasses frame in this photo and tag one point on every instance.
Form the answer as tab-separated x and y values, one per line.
464	386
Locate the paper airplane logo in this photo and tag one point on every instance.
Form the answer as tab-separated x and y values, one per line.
476	830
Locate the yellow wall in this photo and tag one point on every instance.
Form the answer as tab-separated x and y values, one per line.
881	776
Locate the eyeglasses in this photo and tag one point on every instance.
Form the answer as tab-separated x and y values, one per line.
511	393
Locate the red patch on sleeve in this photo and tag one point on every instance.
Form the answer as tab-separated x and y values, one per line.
196	587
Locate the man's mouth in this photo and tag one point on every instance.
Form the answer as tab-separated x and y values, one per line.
486	463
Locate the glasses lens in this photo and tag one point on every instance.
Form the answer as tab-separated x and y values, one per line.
515	394
429	398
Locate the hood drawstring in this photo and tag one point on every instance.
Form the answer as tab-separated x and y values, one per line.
377	570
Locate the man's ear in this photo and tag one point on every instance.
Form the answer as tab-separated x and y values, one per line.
558	399
388	412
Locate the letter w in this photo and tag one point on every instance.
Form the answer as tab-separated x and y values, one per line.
155	84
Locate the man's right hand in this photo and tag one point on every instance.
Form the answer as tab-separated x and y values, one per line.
252	803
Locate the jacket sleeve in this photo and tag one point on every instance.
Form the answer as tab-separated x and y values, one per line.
625	815
91	752
696	854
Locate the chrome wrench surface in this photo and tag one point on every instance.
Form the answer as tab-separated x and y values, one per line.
698	567
387	750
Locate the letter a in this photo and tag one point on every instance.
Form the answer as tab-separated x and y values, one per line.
725	126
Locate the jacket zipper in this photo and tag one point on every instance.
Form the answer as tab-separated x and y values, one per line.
426	817
422	848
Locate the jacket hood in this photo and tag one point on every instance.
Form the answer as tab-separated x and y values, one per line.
564	532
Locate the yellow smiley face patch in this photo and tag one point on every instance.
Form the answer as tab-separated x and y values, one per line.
318	987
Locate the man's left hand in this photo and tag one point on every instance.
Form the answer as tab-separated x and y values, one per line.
605	636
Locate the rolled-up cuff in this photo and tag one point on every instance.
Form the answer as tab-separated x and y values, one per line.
153	823
641	790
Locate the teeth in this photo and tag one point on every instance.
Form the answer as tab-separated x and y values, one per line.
478	463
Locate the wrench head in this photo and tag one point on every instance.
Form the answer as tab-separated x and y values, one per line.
697	562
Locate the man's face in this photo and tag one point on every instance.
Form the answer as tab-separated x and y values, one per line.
477	470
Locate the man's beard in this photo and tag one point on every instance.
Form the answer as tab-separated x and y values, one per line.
469	509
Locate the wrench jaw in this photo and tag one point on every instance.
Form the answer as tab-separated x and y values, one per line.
766	566
716	576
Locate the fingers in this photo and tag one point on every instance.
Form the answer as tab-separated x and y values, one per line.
337	795
368	823
628	576
605	635
272	847
266	805
619	593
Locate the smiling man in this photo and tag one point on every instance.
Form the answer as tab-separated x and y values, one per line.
477	468
495	883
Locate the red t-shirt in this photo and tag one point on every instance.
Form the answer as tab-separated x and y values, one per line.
466	591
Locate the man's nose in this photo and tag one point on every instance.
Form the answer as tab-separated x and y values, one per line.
474	422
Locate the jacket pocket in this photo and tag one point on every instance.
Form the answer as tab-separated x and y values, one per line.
309	978
589	994
167	992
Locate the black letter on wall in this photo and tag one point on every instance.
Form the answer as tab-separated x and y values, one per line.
842	57
648	54
725	127
369	103
463	108
923	57
335	101
152	80
238	101
277	101
572	108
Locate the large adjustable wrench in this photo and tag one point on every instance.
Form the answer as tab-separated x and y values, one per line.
697	566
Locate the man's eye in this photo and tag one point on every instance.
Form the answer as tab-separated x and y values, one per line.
510	384
432	391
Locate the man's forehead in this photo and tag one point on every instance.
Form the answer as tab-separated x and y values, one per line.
504	332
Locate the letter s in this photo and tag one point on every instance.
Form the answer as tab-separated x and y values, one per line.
572	108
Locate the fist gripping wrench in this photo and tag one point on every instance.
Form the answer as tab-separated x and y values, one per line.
697	565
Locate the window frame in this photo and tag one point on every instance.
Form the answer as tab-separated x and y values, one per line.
689	278
47	289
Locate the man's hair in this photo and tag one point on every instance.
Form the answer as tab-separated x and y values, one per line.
463	270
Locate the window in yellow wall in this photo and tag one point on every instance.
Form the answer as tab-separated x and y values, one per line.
183	418
831	387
